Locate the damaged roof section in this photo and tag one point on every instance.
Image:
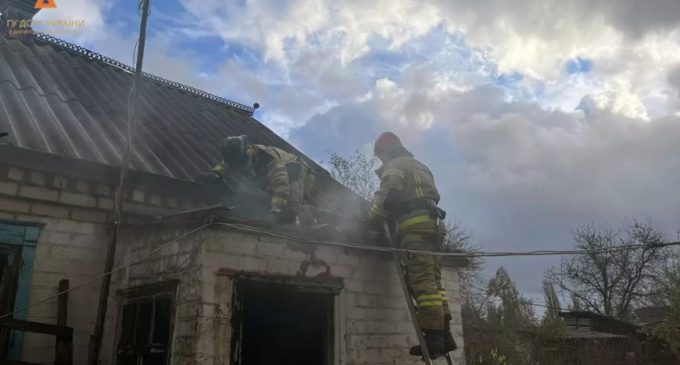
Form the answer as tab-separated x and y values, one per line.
63	99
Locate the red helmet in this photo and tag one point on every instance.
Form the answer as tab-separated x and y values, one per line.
385	143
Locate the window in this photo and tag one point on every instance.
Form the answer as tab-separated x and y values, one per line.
146	329
18	241
10	261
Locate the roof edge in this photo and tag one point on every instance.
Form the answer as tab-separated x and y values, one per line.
94	56
97	172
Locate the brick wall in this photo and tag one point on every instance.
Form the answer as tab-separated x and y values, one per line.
60	196
72	244
372	322
160	262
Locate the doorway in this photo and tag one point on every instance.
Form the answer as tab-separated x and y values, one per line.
279	324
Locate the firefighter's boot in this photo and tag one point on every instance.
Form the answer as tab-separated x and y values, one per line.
449	343
434	340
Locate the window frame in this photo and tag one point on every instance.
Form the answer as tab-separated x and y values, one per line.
147	294
24	236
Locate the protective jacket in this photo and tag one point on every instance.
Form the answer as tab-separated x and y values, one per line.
285	176
407	194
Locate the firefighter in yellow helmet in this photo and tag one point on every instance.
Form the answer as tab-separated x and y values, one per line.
408	198
285	176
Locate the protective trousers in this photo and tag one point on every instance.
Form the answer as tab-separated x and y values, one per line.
299	187
424	279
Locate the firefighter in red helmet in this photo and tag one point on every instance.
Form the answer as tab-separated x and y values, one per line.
408	198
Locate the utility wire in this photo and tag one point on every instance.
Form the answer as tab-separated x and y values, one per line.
361	246
116	269
364	246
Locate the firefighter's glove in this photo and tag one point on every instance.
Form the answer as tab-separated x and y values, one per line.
437	213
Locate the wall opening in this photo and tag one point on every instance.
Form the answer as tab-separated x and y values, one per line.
146	323
280	323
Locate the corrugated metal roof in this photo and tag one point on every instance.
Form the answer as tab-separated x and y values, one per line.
62	99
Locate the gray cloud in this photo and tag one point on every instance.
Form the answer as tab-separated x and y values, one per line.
634	18
520	176
674	78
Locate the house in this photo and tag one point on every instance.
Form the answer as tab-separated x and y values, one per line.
193	282
653	315
591	338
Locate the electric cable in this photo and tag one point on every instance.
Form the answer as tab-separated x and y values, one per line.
361	246
115	269
364	246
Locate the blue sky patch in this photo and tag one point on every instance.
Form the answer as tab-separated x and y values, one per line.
579	65
507	79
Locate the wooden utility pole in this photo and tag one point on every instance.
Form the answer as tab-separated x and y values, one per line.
96	339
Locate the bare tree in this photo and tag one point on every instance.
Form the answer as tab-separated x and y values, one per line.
552	301
666	290
575	304
510	306
611	279
356	172
499	336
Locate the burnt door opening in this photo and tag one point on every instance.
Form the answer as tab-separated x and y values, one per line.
279	324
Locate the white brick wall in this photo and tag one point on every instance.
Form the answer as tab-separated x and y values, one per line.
72	245
372	321
65	250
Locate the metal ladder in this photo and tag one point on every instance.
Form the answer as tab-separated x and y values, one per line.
409	301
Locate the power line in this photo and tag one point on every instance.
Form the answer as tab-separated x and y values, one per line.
116	269
361	246
364	246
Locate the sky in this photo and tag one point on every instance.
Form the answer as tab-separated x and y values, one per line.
536	117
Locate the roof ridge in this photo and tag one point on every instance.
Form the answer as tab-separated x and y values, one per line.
92	55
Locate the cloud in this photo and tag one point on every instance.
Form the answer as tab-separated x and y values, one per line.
674	77
628	47
524	150
519	175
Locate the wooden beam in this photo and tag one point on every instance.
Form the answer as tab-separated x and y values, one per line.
63	350
62	306
149	289
17	362
35	327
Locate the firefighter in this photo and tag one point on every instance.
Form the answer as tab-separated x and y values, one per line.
285	176
408	199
